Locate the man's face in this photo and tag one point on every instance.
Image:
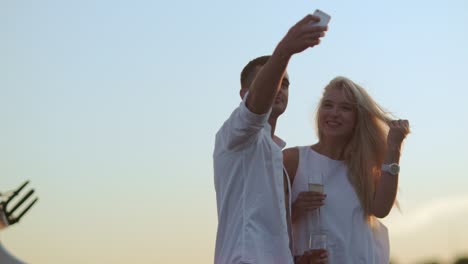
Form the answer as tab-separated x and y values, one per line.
281	100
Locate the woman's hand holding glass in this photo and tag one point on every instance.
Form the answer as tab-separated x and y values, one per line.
314	256
308	201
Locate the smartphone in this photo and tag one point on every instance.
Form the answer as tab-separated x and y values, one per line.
324	18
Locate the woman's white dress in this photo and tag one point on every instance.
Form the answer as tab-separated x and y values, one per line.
350	239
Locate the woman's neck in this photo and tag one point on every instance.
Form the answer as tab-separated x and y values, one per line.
332	148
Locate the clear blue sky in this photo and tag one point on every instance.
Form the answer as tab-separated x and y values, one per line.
110	108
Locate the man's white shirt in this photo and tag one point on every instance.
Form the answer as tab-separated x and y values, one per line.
248	178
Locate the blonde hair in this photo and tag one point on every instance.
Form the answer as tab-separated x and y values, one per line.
364	153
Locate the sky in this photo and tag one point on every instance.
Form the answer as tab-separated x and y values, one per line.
110	109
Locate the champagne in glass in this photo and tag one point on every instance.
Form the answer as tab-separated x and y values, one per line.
318	241
316	187
316	183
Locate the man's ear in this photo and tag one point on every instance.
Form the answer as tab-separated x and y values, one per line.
242	92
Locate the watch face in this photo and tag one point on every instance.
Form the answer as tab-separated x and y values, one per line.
394	169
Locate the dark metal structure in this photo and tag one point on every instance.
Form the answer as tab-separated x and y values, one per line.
10	202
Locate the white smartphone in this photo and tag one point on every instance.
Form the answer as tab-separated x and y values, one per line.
324	18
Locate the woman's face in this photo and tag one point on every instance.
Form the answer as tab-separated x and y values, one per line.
337	115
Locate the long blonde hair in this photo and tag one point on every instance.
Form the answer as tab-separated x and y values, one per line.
364	153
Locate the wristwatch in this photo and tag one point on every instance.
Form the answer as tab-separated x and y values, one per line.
392	168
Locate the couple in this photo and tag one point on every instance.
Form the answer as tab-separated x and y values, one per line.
262	204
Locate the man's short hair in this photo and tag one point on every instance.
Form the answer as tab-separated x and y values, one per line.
246	74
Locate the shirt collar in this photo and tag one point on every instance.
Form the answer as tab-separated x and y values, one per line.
281	143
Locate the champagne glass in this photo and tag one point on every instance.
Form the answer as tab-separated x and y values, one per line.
318	241
316	185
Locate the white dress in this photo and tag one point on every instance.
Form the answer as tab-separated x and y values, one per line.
350	239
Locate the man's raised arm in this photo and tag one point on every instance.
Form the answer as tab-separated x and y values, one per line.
301	36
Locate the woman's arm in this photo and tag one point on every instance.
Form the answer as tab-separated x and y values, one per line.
386	189
306	201
291	161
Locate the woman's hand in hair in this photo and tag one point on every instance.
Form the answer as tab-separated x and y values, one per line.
306	202
398	131
387	185
3	220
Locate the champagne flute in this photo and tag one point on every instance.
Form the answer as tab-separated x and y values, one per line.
316	185
318	241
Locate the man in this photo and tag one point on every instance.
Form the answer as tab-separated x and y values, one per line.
253	221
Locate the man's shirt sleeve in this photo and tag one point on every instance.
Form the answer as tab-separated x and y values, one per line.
242	128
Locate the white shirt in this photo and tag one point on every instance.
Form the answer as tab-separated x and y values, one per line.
350	239
248	177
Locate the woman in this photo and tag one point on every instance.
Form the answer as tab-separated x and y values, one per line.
358	142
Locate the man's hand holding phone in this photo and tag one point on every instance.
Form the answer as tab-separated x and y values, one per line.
304	34
324	18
